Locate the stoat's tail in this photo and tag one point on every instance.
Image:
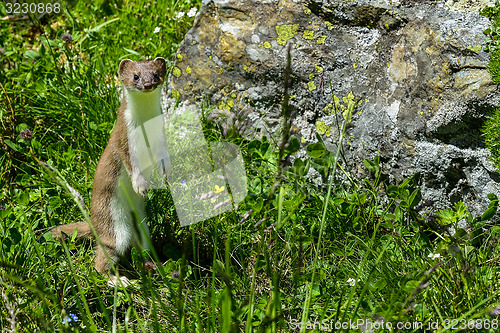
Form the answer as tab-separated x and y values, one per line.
83	230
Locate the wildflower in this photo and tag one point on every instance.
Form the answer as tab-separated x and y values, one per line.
68	38
70	318
192	12
26	134
184	184
434	256
180	15
157	30
352	282
219	189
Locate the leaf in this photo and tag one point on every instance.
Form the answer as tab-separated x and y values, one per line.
392	191
492	197
293	145
11	144
489	213
369	165
300	168
23	198
31	54
414	198
315	150
15	235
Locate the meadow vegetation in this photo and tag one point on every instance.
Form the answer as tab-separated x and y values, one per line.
295	255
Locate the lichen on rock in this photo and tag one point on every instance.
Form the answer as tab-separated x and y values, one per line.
417	66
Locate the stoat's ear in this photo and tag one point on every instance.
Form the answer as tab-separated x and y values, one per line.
125	65
161	63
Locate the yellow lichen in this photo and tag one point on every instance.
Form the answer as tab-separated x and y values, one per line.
321	40
245	68
475	48
230	103
303	140
179	57
221	70
267	45
308	34
285	32
176	94
318	69
311	76
188	70
329	26
194	42
307	11
322	129
176	71
311	85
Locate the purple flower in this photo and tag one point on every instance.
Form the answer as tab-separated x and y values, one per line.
26	134
68	38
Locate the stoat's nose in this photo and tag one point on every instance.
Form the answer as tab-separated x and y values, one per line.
148	86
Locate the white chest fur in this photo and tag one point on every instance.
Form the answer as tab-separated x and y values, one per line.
146	135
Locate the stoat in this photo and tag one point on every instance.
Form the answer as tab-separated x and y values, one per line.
117	205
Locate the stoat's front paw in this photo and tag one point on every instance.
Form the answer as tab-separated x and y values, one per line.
140	184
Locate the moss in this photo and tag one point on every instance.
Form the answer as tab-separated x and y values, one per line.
491	134
311	85
308	34
285	32
176	71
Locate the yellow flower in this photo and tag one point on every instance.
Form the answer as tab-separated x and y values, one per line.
219	189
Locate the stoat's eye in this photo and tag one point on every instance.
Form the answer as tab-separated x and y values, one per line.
156	76
136	77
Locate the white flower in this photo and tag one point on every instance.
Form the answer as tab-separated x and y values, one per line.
180	15
352	282
157	30
192	12
434	255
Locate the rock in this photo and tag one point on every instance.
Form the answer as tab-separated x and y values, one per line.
417	67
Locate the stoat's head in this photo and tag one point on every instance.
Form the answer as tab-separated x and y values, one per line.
144	76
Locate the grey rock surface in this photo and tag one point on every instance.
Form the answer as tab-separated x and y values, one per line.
417	67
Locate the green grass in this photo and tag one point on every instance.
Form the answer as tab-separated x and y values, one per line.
294	251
